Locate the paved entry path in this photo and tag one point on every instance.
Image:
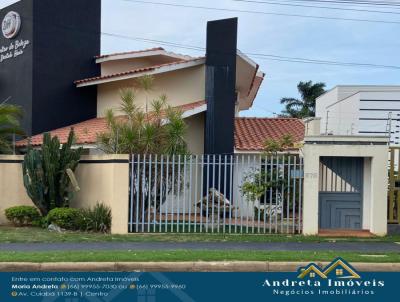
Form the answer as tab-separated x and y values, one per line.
236	246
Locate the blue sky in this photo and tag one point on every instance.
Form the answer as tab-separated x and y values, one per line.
333	40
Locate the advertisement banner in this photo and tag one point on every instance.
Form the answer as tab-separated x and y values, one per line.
336	281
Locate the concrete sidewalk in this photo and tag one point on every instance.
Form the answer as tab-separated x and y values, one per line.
197	266
231	246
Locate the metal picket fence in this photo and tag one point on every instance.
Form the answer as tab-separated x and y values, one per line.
394	186
216	193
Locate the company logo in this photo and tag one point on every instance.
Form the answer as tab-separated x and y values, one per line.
337	278
337	269
11	25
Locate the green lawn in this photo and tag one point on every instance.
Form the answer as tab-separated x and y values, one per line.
186	255
36	235
26	235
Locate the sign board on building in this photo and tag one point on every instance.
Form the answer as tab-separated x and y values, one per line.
34	46
11	25
10	28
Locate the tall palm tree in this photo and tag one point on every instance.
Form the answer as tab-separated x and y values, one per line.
10	116
305	107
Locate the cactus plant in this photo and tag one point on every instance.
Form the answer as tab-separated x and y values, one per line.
48	172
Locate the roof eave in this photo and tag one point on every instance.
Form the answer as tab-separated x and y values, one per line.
247	102
195	111
247	59
163	69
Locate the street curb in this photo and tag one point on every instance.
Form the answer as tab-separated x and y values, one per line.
199	266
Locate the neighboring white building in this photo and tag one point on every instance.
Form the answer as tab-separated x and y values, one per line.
361	110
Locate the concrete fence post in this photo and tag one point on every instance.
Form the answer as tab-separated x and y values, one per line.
105	179
311	183
12	190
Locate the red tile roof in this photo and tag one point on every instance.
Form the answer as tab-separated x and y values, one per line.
128	52
86	132
134	71
251	133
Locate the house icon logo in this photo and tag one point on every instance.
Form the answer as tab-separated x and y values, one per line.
337	269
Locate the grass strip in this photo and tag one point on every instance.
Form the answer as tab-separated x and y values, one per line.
36	235
189	255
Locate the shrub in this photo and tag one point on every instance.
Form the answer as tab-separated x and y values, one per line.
97	219
41	223
66	218
22	215
48	173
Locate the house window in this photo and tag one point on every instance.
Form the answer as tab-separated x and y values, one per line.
312	275
339	272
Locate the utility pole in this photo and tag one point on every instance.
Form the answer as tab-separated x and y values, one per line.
326	122
389	126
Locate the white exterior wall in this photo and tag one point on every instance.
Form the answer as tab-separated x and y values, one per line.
360	110
324	101
247	165
342	117
241	169
312	126
375	108
185	201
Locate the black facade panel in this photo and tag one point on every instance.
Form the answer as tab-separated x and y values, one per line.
220	86
64	38
16	72
221	97
67	37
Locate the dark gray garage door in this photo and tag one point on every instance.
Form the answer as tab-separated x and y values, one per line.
340	210
340	196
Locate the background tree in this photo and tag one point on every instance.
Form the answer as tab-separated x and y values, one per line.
48	173
10	116
305	107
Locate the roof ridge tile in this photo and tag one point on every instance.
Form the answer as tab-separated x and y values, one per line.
128	52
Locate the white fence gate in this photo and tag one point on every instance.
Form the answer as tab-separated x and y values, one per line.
216	193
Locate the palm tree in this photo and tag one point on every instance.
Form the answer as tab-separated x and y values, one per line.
146	83
306	106
10	116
